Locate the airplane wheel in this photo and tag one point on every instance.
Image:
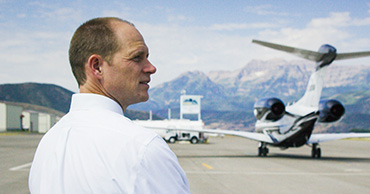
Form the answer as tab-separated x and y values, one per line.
316	151
263	151
313	153
259	151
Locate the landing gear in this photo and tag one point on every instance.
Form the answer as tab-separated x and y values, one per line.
262	149
316	151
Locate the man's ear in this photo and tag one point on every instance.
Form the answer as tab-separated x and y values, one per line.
94	65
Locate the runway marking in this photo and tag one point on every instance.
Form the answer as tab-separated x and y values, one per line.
9	133
352	170
359	138
282	173
207	166
21	167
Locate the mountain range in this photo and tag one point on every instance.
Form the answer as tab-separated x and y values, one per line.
228	96
55	99
47	95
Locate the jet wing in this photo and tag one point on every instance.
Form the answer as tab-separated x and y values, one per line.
317	138
250	135
341	56
306	54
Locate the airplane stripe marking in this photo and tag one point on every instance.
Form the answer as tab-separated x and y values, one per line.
207	166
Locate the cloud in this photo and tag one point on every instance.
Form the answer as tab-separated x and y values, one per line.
264	10
333	27
176	49
338	29
36	56
21	15
120	10
177	18
64	14
335	19
243	26
176	44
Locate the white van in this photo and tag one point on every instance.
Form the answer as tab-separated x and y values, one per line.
172	136
170	130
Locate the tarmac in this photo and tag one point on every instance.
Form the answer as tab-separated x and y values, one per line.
229	165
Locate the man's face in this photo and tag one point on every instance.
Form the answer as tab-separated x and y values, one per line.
126	78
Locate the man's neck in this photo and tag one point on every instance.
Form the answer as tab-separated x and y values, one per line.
98	89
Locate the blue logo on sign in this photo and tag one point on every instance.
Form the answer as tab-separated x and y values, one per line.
190	102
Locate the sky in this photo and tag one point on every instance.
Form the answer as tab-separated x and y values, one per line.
191	35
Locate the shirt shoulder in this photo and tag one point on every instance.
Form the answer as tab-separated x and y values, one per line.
160	171
105	122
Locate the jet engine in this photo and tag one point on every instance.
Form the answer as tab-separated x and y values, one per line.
270	109
330	111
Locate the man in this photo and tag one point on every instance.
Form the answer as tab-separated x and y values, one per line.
94	148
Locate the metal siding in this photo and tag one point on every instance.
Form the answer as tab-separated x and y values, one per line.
34	122
2	117
13	114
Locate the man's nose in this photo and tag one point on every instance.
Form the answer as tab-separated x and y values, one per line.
150	68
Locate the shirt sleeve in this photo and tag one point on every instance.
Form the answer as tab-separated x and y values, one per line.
160	171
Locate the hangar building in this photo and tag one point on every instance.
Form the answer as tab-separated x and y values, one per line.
26	117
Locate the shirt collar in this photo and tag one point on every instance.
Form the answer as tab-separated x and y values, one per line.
87	101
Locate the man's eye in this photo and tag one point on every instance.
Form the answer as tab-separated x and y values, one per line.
137	58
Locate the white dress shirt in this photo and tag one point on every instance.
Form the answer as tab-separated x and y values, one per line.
95	149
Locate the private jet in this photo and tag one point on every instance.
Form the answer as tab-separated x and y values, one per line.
291	125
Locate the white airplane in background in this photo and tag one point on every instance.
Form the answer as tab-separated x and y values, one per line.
292	125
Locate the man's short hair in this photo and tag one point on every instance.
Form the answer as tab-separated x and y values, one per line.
95	36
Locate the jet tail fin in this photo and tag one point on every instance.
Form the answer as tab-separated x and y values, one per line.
311	97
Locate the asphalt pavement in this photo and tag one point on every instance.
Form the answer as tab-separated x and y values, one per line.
229	165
